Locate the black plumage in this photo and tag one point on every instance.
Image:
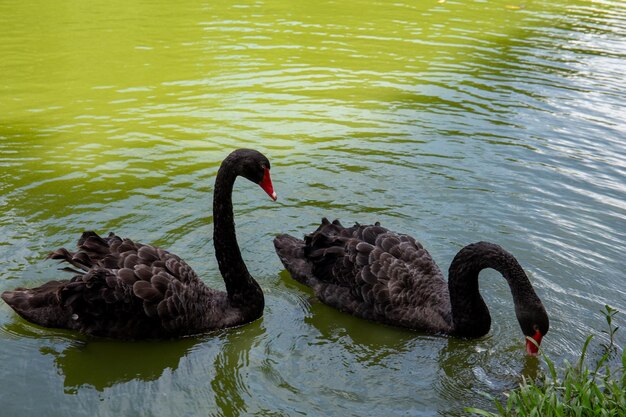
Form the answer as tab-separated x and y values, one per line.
129	290
387	277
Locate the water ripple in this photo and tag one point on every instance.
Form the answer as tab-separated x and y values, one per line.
453	122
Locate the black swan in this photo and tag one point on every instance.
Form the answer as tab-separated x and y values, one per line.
379	275
128	290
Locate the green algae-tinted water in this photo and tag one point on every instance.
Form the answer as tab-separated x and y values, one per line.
453	121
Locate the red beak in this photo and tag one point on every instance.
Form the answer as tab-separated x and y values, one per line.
266	184
532	348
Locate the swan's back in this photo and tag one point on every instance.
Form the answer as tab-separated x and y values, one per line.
120	289
370	272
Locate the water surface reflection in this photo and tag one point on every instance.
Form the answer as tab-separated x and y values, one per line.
453	122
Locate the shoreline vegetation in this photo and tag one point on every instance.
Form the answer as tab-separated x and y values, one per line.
585	388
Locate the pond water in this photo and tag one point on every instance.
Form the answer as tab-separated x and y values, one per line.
453	121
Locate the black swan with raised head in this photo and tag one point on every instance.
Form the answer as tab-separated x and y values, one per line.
128	290
379	275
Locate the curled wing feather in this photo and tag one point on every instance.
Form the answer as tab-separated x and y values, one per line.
120	284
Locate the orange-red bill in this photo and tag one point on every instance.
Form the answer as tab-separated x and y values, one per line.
266	184
531	348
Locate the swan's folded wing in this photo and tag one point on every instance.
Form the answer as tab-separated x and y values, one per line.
379	275
102	302
114	253
349	267
120	285
331	251
359	256
135	303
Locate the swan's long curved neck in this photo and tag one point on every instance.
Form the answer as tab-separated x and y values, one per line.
239	282
470	315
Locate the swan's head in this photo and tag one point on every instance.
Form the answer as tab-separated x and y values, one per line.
255	166
535	325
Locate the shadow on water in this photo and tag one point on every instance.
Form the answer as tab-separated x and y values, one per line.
355	335
370	343
103	363
87	363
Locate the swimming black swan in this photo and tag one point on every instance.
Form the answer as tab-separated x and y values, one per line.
128	290
387	277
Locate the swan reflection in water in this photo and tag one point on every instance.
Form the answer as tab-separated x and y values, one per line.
216	359
87	362
102	364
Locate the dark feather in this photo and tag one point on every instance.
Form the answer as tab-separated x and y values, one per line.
145	291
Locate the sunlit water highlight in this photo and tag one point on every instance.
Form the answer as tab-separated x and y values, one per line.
455	122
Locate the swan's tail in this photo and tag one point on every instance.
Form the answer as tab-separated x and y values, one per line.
44	305
41	305
291	253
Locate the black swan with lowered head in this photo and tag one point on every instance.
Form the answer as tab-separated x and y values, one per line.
128	290
379	275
